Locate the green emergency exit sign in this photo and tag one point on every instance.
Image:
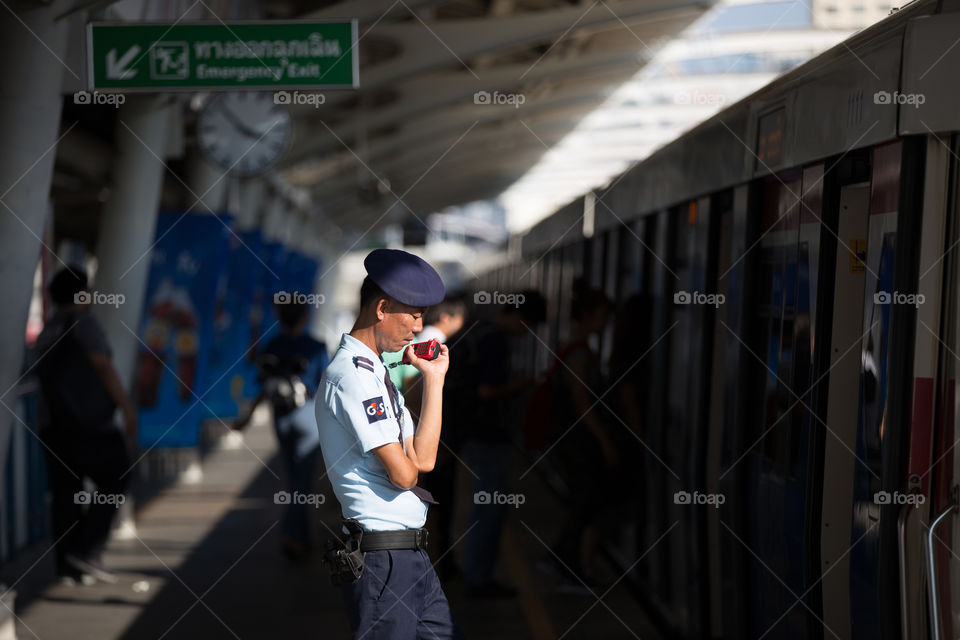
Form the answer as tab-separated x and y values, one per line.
215	55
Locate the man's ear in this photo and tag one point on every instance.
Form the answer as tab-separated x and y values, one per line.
382	308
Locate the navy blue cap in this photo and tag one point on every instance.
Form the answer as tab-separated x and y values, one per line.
404	277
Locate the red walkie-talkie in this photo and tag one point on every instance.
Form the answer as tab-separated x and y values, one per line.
428	350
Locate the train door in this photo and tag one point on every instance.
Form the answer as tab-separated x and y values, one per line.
839	461
736	275
721	207
594	273
611	280
871	435
637	280
936	340
901	321
656	568
694	303
551	291
572	268
806	462
778	457
630	341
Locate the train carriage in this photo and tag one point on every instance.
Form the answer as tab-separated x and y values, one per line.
797	260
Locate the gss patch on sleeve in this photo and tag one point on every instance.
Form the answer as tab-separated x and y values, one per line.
375	409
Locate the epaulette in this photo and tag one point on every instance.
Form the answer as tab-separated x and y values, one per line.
363	363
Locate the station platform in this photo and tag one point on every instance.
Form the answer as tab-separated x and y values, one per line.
205	563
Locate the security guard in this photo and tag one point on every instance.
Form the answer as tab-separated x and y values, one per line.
374	455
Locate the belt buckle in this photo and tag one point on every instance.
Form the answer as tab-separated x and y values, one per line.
421	539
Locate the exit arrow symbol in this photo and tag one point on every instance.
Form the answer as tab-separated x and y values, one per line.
115	68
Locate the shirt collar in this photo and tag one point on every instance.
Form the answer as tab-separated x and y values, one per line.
357	348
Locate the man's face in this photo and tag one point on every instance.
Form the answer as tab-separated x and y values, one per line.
398	325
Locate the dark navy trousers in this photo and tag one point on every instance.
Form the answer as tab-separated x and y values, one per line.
398	597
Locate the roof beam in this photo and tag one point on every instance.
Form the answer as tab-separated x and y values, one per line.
367	11
432	137
432	92
434	45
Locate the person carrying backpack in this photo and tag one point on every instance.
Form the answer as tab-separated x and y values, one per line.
80	390
289	371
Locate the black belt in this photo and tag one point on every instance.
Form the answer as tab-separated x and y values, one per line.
394	540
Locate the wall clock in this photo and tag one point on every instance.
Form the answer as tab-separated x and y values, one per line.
243	132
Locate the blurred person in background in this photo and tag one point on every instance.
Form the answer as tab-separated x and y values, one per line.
442	322
289	371
586	449
488	412
631	341
80	391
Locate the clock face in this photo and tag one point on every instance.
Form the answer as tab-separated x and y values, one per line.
245	133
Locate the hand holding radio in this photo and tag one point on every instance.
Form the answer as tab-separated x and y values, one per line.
430	358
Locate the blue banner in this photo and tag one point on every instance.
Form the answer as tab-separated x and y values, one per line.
291	274
234	321
301	273
263	321
177	328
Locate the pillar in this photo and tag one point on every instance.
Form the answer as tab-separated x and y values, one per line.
128	224
30	102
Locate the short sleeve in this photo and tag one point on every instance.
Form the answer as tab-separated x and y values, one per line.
90	336
361	406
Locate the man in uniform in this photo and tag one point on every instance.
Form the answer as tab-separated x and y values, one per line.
374	455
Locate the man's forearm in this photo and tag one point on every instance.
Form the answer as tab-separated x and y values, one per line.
427	438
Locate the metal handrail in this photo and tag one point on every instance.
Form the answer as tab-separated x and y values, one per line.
904	590
932	582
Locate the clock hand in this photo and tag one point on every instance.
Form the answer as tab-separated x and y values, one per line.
259	132
238	123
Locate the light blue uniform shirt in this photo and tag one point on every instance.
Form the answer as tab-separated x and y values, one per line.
355	416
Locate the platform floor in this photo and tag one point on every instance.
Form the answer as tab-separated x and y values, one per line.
208	556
